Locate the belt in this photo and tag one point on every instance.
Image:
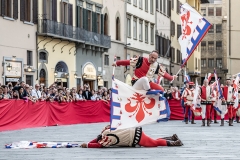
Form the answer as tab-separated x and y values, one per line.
206	102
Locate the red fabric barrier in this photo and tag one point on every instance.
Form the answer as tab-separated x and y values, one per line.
18	114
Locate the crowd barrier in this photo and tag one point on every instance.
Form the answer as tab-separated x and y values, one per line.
19	114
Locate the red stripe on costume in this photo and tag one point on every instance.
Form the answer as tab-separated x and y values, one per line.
123	62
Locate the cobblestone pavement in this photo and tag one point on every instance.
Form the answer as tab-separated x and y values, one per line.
213	142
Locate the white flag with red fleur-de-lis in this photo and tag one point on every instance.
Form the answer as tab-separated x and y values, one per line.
133	108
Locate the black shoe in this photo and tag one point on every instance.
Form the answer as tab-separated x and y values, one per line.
208	122
203	122
174	143
222	122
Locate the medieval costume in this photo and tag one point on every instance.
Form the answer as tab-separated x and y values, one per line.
228	94
214	99
144	73
131	137
206	103
188	98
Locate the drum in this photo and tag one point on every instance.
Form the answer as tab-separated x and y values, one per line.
230	103
224	103
206	102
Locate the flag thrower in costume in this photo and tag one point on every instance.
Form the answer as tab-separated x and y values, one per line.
235	86
194	28
196	107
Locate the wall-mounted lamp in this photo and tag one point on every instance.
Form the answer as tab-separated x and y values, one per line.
9	67
75	75
55	73
29	69
84	75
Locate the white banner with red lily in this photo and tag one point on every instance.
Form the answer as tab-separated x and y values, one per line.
133	108
194	27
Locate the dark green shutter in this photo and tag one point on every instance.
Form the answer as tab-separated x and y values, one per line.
15	10
22	10
102	23
86	19
3	8
77	16
54	10
35	11
70	14
94	22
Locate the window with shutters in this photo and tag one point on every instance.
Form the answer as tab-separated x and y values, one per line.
29	58
146	32
203	46
151	6
218	62
140	4
157	7
64	13
164	6
196	63
218	28
210	63
203	63
218	11
106	60
8	8
211	30
172	28
179	32
169	8
203	11
89	20
48	13
178	56
99	23
28	11
161	6
152	34
211	45
118	29
146	5
135	28
218	45
79	17
178	6
172	54
129	26
210	11
105	24
140	30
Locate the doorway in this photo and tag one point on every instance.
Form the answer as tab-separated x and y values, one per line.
90	83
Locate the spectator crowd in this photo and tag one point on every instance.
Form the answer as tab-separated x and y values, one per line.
53	93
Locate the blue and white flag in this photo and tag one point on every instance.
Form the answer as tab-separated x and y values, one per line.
194	27
133	108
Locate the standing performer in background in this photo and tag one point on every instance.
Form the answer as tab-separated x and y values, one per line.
188	98
214	99
206	102
228	94
145	70
130	137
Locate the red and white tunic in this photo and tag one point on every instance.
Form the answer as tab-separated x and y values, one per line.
206	93
145	69
188	96
228	93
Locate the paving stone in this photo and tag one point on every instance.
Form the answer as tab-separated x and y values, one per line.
213	142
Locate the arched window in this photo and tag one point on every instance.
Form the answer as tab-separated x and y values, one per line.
105	24
42	56
43	76
61	67
118	29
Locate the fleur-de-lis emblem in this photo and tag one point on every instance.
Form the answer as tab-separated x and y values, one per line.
140	108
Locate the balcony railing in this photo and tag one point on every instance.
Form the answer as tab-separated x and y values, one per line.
64	31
